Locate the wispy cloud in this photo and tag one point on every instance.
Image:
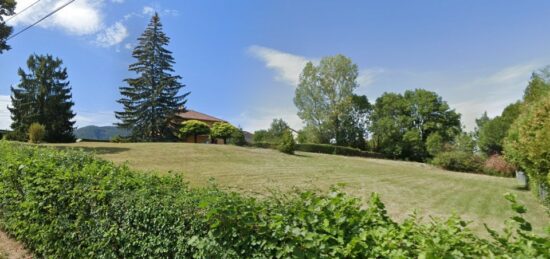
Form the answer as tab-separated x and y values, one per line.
286	66
261	118
5	119
112	35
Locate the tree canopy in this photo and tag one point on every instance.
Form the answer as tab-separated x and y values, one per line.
222	130
151	100
401	124
7	8
193	128
43	96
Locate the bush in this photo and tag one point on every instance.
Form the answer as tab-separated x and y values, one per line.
193	128
496	165
287	144
459	161
222	130
237	138
68	204
528	143
120	139
37	132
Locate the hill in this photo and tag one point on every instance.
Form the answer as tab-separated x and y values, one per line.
403	186
99	133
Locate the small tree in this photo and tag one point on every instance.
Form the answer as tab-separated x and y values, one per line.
287	144
222	130
237	138
37	132
193	128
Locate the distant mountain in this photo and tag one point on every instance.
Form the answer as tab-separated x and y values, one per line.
99	133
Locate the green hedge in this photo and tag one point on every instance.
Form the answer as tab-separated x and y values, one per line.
68	204
324	149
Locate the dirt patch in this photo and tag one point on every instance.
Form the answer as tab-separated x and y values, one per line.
12	249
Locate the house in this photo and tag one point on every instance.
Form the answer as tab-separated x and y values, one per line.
195	115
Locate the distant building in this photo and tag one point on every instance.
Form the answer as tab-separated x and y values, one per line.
195	115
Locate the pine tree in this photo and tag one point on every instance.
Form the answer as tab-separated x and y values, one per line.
7	8
151	100
43	96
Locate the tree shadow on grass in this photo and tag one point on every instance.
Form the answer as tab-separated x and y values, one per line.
521	188
97	150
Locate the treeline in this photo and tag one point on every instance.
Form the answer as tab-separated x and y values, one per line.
68	204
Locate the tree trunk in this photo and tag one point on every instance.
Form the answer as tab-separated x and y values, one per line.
195	138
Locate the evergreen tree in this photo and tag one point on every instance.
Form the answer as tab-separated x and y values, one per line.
43	96
151	100
7	8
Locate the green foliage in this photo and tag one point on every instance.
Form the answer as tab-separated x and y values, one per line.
459	161
237	138
497	165
435	144
260	136
43	95
152	100
538	87
493	131
287	144
274	134
335	150
324	98
528	143
401	124
7	8
193	128
36	133
68	204
222	130
119	139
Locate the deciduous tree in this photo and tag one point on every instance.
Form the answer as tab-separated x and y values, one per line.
193	128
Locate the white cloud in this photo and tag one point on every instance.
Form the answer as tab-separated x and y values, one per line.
491	93
117	1
287	66
82	17
148	10
112	35
5	119
129	46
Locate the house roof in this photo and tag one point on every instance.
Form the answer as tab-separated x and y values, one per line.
195	115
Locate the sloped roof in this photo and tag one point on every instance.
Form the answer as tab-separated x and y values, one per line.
195	115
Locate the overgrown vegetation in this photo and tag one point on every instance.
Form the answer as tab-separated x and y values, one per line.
36	132
287	144
193	128
55	200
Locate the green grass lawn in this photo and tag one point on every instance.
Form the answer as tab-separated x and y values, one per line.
403	186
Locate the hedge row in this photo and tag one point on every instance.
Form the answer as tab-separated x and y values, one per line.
68	204
324	149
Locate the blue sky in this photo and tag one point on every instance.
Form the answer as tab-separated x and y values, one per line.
241	59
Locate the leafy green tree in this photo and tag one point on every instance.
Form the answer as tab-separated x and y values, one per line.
237	138
274	134
527	144
151	100
261	136
222	130
491	134
324	96
355	125
287	144
7	8
538	86
193	128
435	144
401	124
43	96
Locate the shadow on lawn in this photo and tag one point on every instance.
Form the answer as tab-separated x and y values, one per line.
98	150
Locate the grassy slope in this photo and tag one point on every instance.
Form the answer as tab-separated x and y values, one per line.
404	186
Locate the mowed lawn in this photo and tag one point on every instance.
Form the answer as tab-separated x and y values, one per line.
403	186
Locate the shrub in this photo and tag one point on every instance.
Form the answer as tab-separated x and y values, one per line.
120	139
193	128
222	130
497	165
459	161
287	144
68	204
237	138
528	143
37	132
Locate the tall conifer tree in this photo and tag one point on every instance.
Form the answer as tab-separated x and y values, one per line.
151	100
7	8
43	96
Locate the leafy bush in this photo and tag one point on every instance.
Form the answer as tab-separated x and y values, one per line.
68	204
37	132
459	161
287	144
193	128
120	139
497	165
222	130
237	138
528	143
